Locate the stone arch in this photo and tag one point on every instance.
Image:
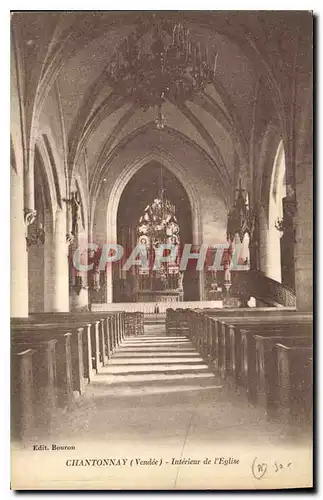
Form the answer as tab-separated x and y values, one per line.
40	255
54	161
48	190
265	161
143	134
120	182
49	162
127	173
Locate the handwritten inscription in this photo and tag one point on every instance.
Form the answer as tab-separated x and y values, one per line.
260	469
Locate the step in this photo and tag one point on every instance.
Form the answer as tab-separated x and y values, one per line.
138	389
108	380
162	368
154	355
152	361
155	349
156	344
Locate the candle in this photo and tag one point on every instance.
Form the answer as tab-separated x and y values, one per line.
215	59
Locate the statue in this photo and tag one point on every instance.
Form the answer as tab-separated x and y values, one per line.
76	211
180	280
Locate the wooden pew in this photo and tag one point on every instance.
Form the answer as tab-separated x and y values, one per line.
92	340
22	393
64	372
238	342
295	382
198	327
217	341
134	323
111	331
228	337
223	338
44	376
177	322
76	345
228	341
267	367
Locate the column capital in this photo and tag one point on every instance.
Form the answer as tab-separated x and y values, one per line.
69	238
29	216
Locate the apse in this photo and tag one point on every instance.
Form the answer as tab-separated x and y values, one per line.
152	192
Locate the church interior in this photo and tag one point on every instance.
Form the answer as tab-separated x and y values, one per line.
143	133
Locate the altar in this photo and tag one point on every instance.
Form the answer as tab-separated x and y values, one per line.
159	296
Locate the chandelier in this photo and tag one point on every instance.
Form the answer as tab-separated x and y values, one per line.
156	227
159	223
165	64
240	218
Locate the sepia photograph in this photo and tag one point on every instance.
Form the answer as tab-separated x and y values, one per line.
161	224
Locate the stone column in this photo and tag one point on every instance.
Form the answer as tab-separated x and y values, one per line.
60	265
19	256
36	276
109	282
48	261
29	185
304	237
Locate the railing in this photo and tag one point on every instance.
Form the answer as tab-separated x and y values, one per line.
267	290
273	291
150	307
244	283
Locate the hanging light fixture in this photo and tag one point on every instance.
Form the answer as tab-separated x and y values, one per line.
158	215
156	227
172	66
240	218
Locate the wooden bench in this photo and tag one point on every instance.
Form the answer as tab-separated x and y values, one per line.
44	376
64	370
267	367
177	322
201	326
241	367
111	330
227	338
295	382
134	323
22	393
232	354
76	345
214	336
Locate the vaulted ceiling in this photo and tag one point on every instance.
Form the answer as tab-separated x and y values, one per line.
73	49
